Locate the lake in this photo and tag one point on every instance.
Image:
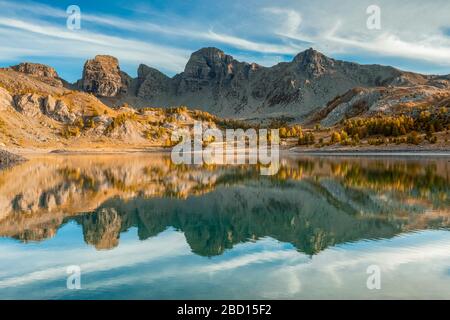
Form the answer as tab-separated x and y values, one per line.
138	226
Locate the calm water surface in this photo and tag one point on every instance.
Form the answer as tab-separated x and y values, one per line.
140	227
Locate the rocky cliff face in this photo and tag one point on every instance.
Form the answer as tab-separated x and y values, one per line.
34	105
216	80
102	77
210	79
152	83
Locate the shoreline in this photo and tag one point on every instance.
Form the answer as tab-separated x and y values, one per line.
362	153
381	153
284	150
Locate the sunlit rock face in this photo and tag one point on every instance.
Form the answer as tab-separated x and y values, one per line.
6	100
102	77
41	72
33	105
28	104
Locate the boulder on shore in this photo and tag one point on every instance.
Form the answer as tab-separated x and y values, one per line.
8	159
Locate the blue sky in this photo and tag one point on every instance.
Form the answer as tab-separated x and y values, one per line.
414	35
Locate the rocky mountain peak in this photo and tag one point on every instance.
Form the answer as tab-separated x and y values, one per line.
313	62
36	69
209	53
207	63
102	76
309	56
215	82
39	71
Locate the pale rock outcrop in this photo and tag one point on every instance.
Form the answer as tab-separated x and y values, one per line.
33	105
28	104
103	119
49	105
360	102
129	131
57	109
6	100
62	113
313	63
101	124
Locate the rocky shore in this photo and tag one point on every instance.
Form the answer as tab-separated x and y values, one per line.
8	159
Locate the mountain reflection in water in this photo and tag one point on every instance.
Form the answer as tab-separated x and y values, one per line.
312	203
140	227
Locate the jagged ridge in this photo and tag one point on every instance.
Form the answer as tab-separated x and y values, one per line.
215	82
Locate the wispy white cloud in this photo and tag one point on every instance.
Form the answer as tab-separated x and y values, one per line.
290	23
30	33
249	45
148	27
63	42
262	269
391	45
410	32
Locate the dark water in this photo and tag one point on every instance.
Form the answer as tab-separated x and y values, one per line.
140	227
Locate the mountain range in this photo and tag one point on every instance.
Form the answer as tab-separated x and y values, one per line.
216	82
108	107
